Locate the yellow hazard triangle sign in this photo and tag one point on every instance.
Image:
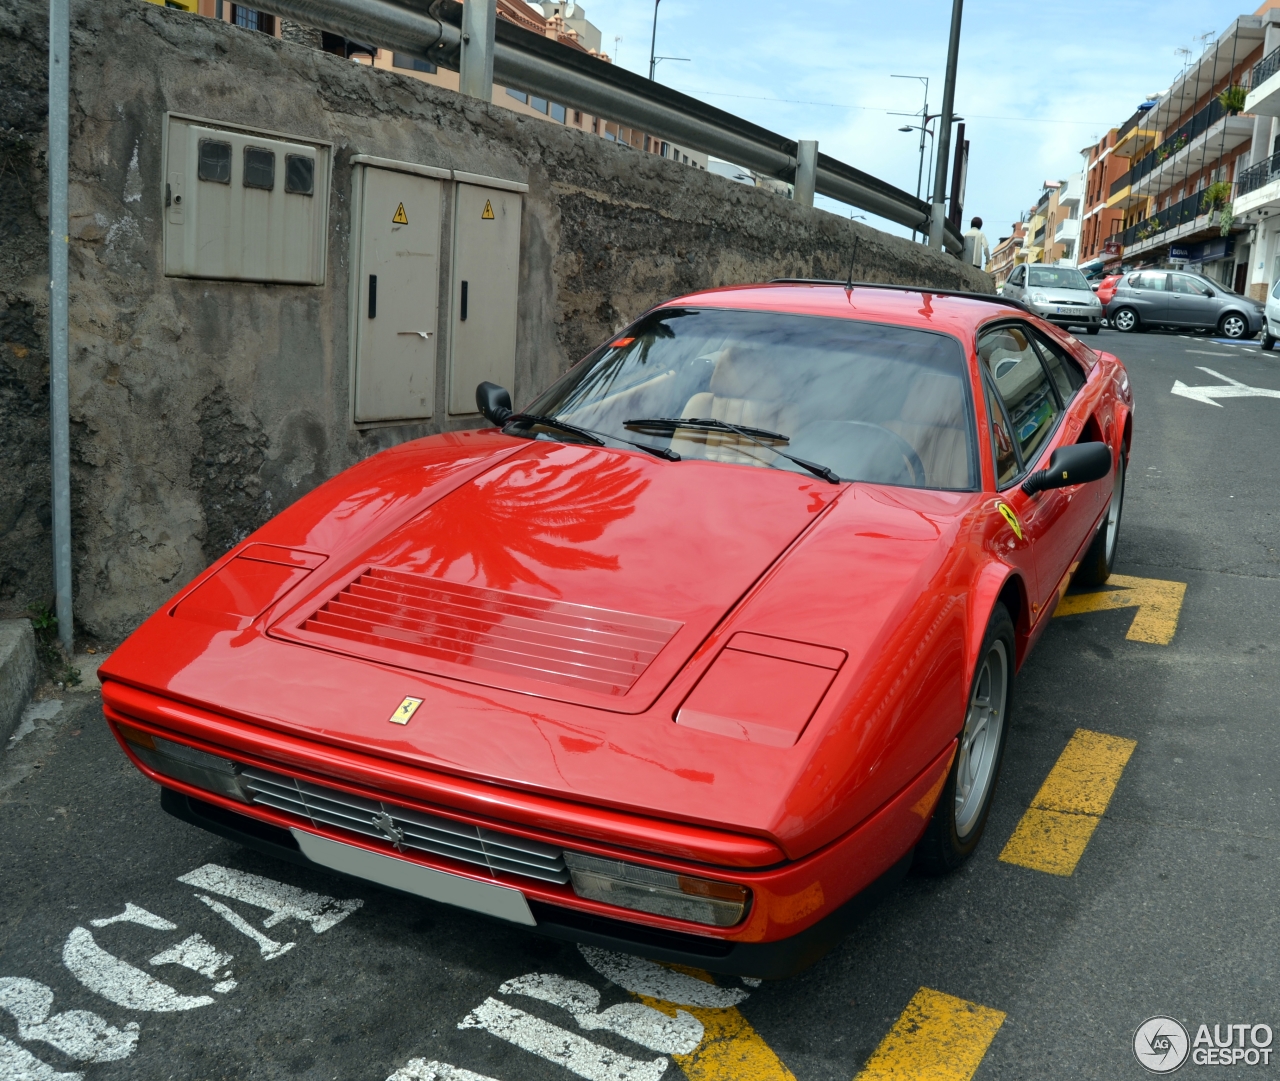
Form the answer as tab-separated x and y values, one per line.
400	217
488	211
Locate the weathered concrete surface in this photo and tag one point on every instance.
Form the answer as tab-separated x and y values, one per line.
200	408
19	668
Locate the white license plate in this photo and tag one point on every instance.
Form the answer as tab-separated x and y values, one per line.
487	897
1068	311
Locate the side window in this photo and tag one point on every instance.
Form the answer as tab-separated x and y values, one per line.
1066	376
1155	281
1189	286
1006	458
1023	386
1018	274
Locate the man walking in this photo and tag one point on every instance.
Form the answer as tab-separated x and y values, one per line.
976	249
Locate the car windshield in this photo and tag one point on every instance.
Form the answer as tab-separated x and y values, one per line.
885	404
1057	277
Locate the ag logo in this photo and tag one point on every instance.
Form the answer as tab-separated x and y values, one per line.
1160	1044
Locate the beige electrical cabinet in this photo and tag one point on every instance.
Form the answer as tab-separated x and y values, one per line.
485	283
243	205
396	292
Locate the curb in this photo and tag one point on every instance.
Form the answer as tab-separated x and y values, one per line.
19	670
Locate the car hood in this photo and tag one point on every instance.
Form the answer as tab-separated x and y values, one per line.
564	571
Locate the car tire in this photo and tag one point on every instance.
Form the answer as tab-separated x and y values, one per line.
1233	325
1100	560
1124	320
964	804
1268	342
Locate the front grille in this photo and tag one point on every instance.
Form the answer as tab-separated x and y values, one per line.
425	619
404	828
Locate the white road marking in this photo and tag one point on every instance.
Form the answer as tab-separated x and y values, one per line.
419	1069
1234	389
19	1064
633	1021
643	977
78	1034
268	947
1208	353
560	1046
118	981
133	914
284	902
200	955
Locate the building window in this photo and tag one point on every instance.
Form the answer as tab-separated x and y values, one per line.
214	162
253	20
538	104
519	95
557	112
412	63
577	116
259	168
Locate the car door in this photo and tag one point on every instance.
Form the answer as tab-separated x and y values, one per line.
1013	287
1191	302
1021	390
1148	293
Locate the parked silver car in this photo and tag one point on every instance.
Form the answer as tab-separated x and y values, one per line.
1060	294
1178	298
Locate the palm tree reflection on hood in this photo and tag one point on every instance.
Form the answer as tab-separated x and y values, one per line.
530	512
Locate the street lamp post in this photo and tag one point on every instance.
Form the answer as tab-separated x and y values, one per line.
653	41
938	217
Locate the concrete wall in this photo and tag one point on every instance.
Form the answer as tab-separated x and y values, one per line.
200	408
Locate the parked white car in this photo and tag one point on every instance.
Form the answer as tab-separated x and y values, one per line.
1271	321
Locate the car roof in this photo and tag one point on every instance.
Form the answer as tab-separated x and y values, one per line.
949	311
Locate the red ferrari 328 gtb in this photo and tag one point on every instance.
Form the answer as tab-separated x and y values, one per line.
692	658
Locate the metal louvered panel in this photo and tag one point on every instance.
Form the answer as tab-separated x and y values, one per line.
405	828
593	649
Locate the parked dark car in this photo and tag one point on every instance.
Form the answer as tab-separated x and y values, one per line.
1176	298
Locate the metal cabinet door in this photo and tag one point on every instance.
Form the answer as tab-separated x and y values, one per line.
398	279
486	279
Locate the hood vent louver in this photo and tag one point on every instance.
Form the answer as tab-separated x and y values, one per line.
426	619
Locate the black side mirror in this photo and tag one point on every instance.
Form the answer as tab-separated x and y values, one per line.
494	402
1071	465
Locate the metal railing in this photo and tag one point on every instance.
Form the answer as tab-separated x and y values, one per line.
1265	68
1162	221
1122	182
1254	177
1177	140
525	61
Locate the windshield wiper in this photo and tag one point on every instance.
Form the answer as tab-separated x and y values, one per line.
756	435
591	435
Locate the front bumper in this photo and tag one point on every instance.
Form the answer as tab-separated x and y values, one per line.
764	960
1091	318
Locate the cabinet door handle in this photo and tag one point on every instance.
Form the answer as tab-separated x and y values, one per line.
462	307
373	296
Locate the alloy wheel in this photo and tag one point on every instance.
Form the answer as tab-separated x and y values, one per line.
980	741
1113	514
1233	326
1124	320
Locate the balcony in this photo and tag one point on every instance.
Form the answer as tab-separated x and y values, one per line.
1211	130
1258	185
1264	98
1068	229
1173	223
1039	235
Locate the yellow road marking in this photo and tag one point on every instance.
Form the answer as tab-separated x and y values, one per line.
938	1038
731	1050
1159	604
1053	834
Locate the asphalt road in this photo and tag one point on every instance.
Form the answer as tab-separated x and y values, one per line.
1170	911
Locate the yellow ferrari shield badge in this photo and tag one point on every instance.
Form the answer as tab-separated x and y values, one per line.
1006	512
487	213
405	710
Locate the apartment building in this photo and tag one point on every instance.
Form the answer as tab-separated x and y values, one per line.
1062	221
1257	191
1004	256
1108	190
1178	189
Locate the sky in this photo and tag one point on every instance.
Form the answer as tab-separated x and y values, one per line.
1036	82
